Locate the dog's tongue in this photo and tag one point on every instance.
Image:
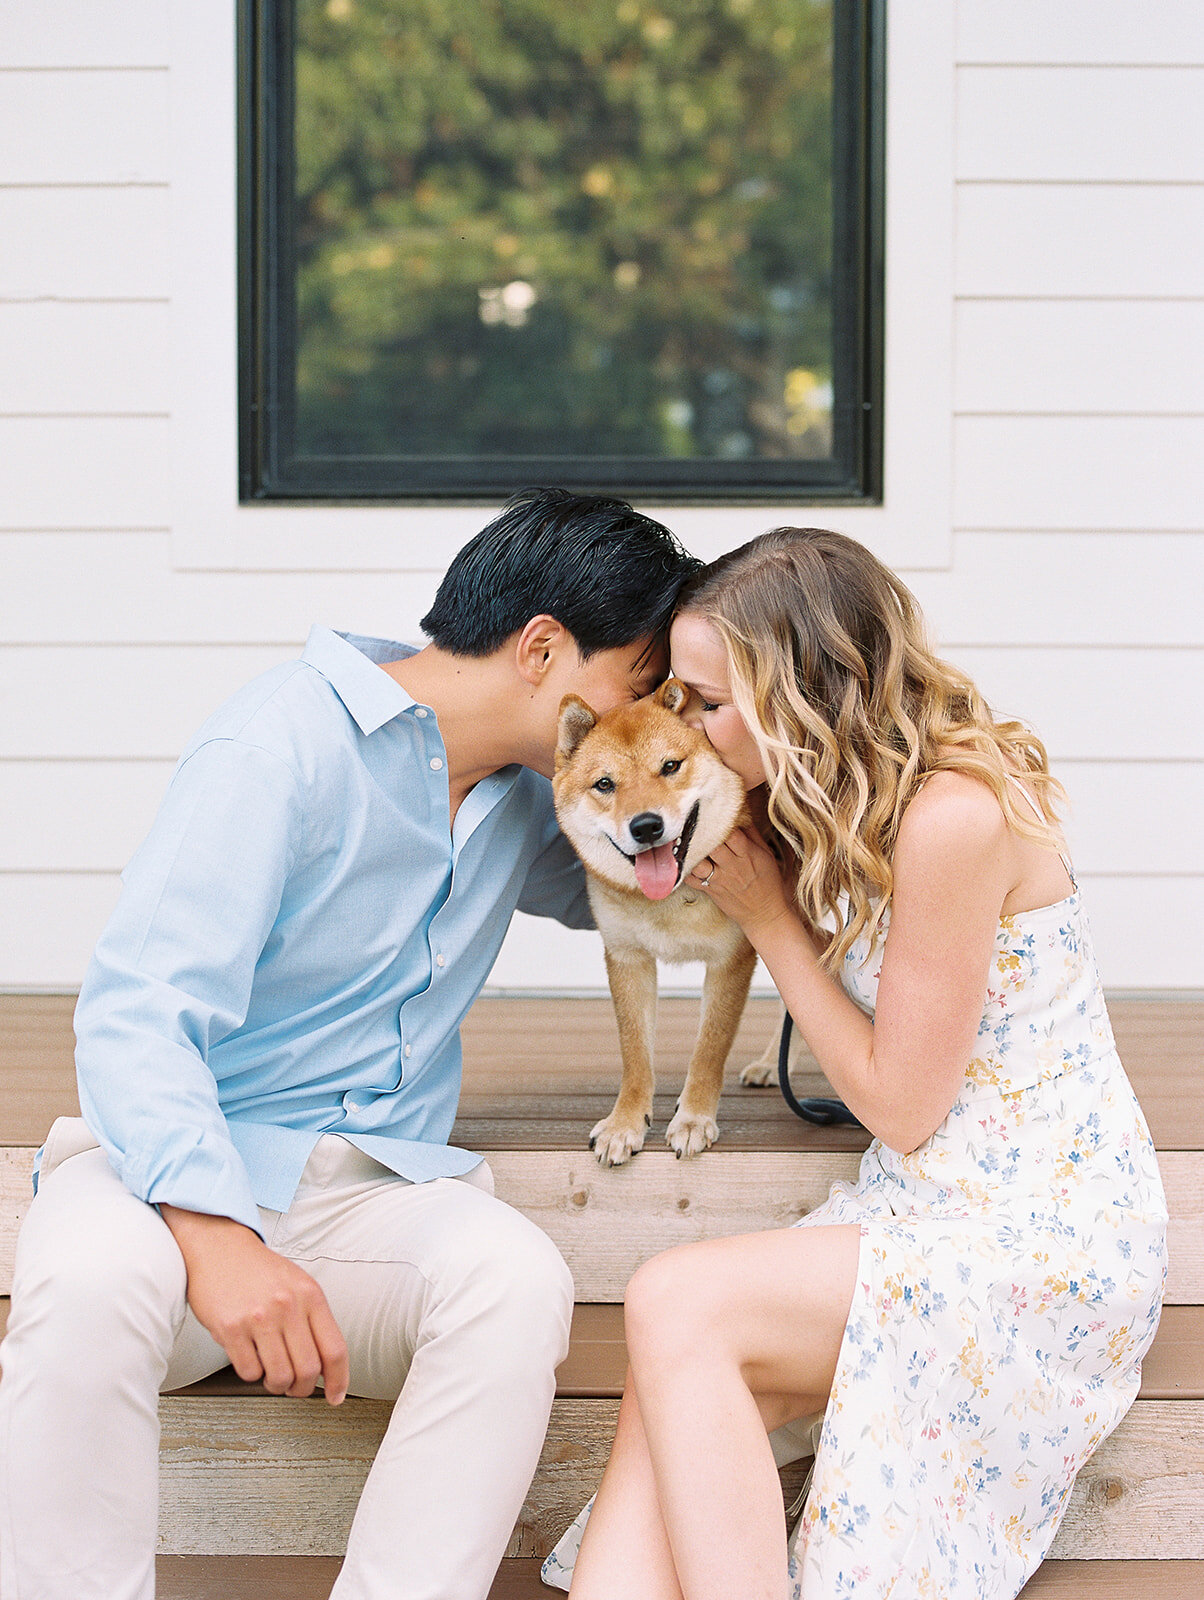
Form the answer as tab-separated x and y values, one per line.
656	871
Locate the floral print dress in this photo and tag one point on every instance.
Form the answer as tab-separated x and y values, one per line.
1009	1282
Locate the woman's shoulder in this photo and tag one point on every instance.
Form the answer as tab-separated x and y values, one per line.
948	796
951	814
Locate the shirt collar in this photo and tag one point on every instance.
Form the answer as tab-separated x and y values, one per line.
351	663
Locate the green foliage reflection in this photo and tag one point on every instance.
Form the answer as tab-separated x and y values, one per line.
579	227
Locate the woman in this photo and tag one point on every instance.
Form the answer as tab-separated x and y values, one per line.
970	1316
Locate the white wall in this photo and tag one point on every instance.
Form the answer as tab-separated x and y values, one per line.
1064	229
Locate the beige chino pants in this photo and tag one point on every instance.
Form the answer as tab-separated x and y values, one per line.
452	1304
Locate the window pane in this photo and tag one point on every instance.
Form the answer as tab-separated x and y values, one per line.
564	228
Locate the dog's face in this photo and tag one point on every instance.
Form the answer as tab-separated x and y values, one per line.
641	796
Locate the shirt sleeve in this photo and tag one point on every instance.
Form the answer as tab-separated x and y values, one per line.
172	976
555	884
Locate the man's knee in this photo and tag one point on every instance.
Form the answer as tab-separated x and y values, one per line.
519	1283
93	1287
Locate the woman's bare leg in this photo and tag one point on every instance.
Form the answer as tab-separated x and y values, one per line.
625	1552
727	1338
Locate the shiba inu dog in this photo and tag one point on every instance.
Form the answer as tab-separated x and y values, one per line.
643	797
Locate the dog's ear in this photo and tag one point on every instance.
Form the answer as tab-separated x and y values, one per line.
576	720
673	695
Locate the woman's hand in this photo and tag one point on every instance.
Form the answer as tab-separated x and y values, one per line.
743	879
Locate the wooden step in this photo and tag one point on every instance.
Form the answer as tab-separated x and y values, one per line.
311	1578
539	1072
270	1477
267	1476
607	1222
241	1469
596	1364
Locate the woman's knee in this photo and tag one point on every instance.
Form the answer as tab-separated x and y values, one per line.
668	1306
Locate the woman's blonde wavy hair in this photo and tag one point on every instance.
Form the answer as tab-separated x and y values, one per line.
850	709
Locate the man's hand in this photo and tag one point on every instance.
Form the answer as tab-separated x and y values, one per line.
269	1315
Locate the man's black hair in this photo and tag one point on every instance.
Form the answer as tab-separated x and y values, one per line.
605	572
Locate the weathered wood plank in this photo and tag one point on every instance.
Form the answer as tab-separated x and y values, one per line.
524	1090
606	1223
270	1478
311	1578
596	1365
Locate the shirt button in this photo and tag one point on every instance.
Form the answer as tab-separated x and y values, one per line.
409	1050
436	764
440	960
420	711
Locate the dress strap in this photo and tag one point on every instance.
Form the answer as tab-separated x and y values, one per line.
1041	817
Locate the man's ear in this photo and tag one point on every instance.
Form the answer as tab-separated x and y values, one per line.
576	720
673	695
535	646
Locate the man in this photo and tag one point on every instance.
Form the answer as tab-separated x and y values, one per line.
268	1054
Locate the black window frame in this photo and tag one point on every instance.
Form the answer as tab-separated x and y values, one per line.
267	330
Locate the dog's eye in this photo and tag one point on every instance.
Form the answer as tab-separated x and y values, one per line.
605	786
670	766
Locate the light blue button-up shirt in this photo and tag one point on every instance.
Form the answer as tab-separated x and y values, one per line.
300	936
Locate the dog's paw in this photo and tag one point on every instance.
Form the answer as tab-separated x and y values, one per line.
691	1132
764	1070
615	1140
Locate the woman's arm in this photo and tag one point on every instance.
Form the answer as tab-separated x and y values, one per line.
953	868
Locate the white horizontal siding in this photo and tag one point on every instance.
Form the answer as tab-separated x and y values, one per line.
1011	356
85	33
76	816
1010	472
1078	558
58	357
84	472
1088	705
1089	124
1079	472
1081	32
51	584
1128	819
1080	356
1065	239
84	127
80	243
1002	589
50	925
1045	588
1147	931
122	701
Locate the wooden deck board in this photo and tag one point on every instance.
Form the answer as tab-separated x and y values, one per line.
597	1360
311	1578
539	1072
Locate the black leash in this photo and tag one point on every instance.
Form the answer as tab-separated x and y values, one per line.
824	1113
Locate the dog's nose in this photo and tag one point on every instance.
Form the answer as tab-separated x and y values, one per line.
647	827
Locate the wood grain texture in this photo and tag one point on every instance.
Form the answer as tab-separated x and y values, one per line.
273	1477
311	1578
523	1089
596	1365
605	1223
